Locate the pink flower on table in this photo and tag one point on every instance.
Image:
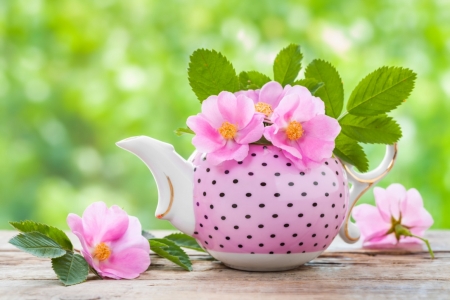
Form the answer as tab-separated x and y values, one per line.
112	241
396	209
301	128
225	127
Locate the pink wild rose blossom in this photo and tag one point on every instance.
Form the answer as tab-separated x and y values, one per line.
112	242
267	98
301	129
396	210
225	127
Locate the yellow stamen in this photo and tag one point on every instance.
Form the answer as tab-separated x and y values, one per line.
263	108
102	252
228	130
294	130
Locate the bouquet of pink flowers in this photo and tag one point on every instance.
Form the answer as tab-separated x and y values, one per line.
302	117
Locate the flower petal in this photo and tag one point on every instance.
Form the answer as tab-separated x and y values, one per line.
210	111
132	238
319	106
252	132
76	226
245	111
322	127
127	264
298	90
207	139
280	140
102	224
228	107
285	110
395	195
306	109
236	110
383	203
414	215
298	162
252	94
372	225
271	93
231	150
379	239
315	149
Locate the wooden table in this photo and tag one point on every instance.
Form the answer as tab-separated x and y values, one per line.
342	272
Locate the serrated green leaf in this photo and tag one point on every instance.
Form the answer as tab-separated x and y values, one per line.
287	64
313	85
350	151
171	251
185	241
37	244
332	93
381	91
52	232
181	131
211	73
71	268
252	80
379	129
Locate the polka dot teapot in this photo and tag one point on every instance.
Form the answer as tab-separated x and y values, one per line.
259	214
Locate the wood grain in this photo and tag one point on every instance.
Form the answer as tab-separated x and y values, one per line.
343	271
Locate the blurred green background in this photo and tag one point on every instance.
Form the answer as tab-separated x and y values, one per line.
78	76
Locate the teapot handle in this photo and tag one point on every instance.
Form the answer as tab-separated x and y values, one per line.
361	183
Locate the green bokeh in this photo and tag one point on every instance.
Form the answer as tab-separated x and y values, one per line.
78	76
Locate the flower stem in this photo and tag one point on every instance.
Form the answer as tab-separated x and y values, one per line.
426	243
401	230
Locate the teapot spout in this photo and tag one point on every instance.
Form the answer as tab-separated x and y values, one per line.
174	178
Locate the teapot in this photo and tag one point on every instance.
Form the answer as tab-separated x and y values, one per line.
262	213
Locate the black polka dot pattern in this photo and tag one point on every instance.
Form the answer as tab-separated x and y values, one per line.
264	204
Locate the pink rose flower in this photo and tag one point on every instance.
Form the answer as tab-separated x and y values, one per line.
301	128
112	241
395	207
225	127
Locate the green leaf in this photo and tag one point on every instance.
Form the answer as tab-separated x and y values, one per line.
381	91
52	232
147	234
332	94
287	64
379	129
181	131
37	244
252	80
262	141
211	73
185	241
171	251
71	268
350	151
313	85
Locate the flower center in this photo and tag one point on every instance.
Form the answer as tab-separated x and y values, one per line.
294	130
228	130
102	252
264	108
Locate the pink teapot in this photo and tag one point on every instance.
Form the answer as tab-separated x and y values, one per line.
259	214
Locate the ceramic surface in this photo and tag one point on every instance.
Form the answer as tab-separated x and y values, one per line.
265	205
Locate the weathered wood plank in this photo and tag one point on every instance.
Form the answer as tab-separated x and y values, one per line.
342	271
